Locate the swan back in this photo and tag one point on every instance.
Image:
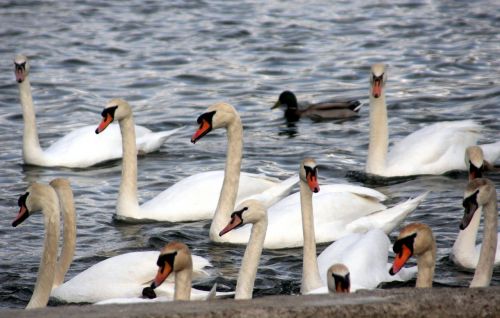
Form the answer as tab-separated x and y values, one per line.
338	279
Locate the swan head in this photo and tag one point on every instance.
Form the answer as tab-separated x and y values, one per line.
309	174
174	257
378	77
414	239
36	197
287	99
248	212
474	160
220	115
116	109
478	193
338	279
21	67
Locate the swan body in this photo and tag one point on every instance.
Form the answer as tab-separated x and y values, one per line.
339	210
434	149
80	148
172	204
465	252
364	254
334	109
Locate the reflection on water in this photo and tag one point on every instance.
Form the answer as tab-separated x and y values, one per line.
173	59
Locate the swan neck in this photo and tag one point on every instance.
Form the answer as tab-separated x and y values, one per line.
32	152
127	196
183	281
426	264
484	269
229	190
67	205
45	278
311	278
379	135
250	262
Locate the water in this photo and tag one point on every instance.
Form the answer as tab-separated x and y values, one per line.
172	59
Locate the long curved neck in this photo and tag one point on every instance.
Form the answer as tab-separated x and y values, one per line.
127	203
311	278
484	269
183	281
47	267
229	191
31	145
426	264
67	204
379	135
250	262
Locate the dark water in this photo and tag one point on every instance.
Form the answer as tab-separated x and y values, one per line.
172	59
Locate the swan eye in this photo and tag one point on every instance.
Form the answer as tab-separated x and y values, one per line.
109	111
206	116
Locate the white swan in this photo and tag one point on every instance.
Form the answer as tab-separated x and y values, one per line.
120	276
339	210
193	198
434	149
254	213
416	239
480	196
338	278
80	148
364	254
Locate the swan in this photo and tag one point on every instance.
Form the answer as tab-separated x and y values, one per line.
416	239
120	276
202	189
338	277
174	257
334	109
365	254
249	212
480	196
434	149
476	163
80	148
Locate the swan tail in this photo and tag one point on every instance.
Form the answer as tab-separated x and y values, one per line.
153	141
491	152
388	219
275	193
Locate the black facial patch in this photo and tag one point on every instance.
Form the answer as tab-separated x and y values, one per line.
311	171
208	116
20	66
239	213
476	172
109	111
377	78
166	258
343	281
407	241
470	206
21	202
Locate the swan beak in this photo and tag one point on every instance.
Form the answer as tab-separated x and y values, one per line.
475	172
401	259
470	208
204	129
236	221
19	74
162	274
342	283
312	181
276	105
104	123
377	88
21	216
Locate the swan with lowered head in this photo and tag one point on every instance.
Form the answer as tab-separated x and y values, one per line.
120	276
249	212
416	239
202	189
80	148
338	278
334	109
365	254
479	197
434	149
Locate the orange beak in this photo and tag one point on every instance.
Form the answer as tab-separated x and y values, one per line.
401	259
202	131
162	274
377	88
312	181
341	288
21	216
235	222
104	123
